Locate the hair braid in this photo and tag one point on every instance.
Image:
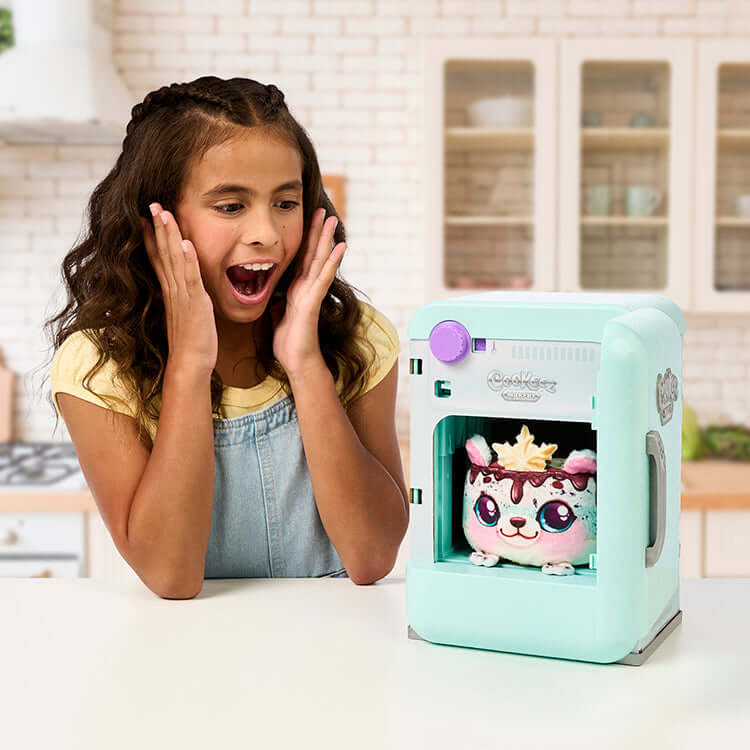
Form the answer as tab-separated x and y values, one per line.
275	101
172	95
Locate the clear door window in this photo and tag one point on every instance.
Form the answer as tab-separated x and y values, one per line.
489	174
624	175
732	238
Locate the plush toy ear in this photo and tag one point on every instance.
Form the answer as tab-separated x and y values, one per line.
478	451
580	461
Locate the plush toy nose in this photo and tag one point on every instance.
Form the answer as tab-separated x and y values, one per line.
517	521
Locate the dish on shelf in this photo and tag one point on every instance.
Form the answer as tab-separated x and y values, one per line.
500	111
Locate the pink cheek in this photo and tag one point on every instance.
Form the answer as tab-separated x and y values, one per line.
565	544
483	536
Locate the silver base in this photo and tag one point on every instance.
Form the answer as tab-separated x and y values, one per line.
634	658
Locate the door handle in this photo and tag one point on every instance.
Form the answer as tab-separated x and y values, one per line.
657	491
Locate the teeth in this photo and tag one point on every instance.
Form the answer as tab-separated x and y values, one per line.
257	266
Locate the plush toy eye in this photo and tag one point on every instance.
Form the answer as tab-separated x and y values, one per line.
486	510
555	516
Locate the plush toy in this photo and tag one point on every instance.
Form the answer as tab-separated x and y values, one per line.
517	508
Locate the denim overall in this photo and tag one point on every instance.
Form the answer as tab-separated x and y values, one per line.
265	521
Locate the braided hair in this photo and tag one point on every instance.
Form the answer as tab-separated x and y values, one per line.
174	95
114	296
275	101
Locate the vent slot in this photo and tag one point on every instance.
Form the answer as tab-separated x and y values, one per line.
545	352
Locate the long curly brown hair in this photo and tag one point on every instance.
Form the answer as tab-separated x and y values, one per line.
114	295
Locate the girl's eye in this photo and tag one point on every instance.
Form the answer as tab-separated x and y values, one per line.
487	510
222	208
228	205
555	516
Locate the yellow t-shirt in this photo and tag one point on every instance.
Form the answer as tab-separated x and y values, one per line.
77	355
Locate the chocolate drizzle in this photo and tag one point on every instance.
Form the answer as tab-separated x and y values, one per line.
536	478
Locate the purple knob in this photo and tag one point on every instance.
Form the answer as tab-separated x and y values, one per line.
449	341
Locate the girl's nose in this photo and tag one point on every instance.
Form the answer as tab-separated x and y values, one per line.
260	229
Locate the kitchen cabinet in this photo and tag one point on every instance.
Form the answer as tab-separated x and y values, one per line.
715	519
56	534
42	545
615	213
626	152
722	177
489	192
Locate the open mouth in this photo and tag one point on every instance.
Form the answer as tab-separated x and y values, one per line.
250	281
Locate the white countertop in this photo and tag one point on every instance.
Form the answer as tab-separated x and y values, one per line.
323	663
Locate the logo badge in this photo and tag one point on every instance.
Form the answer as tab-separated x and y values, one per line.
523	386
667	392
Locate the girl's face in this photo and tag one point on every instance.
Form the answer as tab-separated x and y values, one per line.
242	204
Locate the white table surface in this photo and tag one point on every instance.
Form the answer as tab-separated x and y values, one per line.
323	663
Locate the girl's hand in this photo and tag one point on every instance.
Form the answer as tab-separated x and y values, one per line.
295	338
191	326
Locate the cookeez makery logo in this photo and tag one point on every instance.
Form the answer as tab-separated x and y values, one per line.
521	386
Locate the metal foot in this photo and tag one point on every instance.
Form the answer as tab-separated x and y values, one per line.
636	658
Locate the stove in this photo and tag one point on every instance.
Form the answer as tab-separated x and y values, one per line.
36	466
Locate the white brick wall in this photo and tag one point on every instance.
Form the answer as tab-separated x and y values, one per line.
352	74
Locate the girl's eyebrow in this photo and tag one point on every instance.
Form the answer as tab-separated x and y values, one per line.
225	188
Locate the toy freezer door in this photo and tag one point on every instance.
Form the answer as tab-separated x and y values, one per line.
623	491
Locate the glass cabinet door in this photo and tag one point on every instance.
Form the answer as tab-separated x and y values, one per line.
489	163
624	155
722	254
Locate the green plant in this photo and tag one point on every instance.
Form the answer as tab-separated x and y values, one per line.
6	29
693	441
729	441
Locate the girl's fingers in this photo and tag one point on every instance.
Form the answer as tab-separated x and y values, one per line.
192	269
162	252
328	272
149	240
323	249
172	239
316	225
174	259
160	235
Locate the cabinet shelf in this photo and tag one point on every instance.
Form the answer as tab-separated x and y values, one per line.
733	221
624	221
737	139
624	139
476	139
487	221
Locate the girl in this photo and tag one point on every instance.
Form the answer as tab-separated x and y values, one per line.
231	402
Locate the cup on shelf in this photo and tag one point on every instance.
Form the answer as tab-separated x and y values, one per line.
500	111
464	283
742	205
498	196
642	120
591	118
642	200
598	200
519	282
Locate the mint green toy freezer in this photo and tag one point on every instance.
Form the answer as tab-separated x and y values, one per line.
616	364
